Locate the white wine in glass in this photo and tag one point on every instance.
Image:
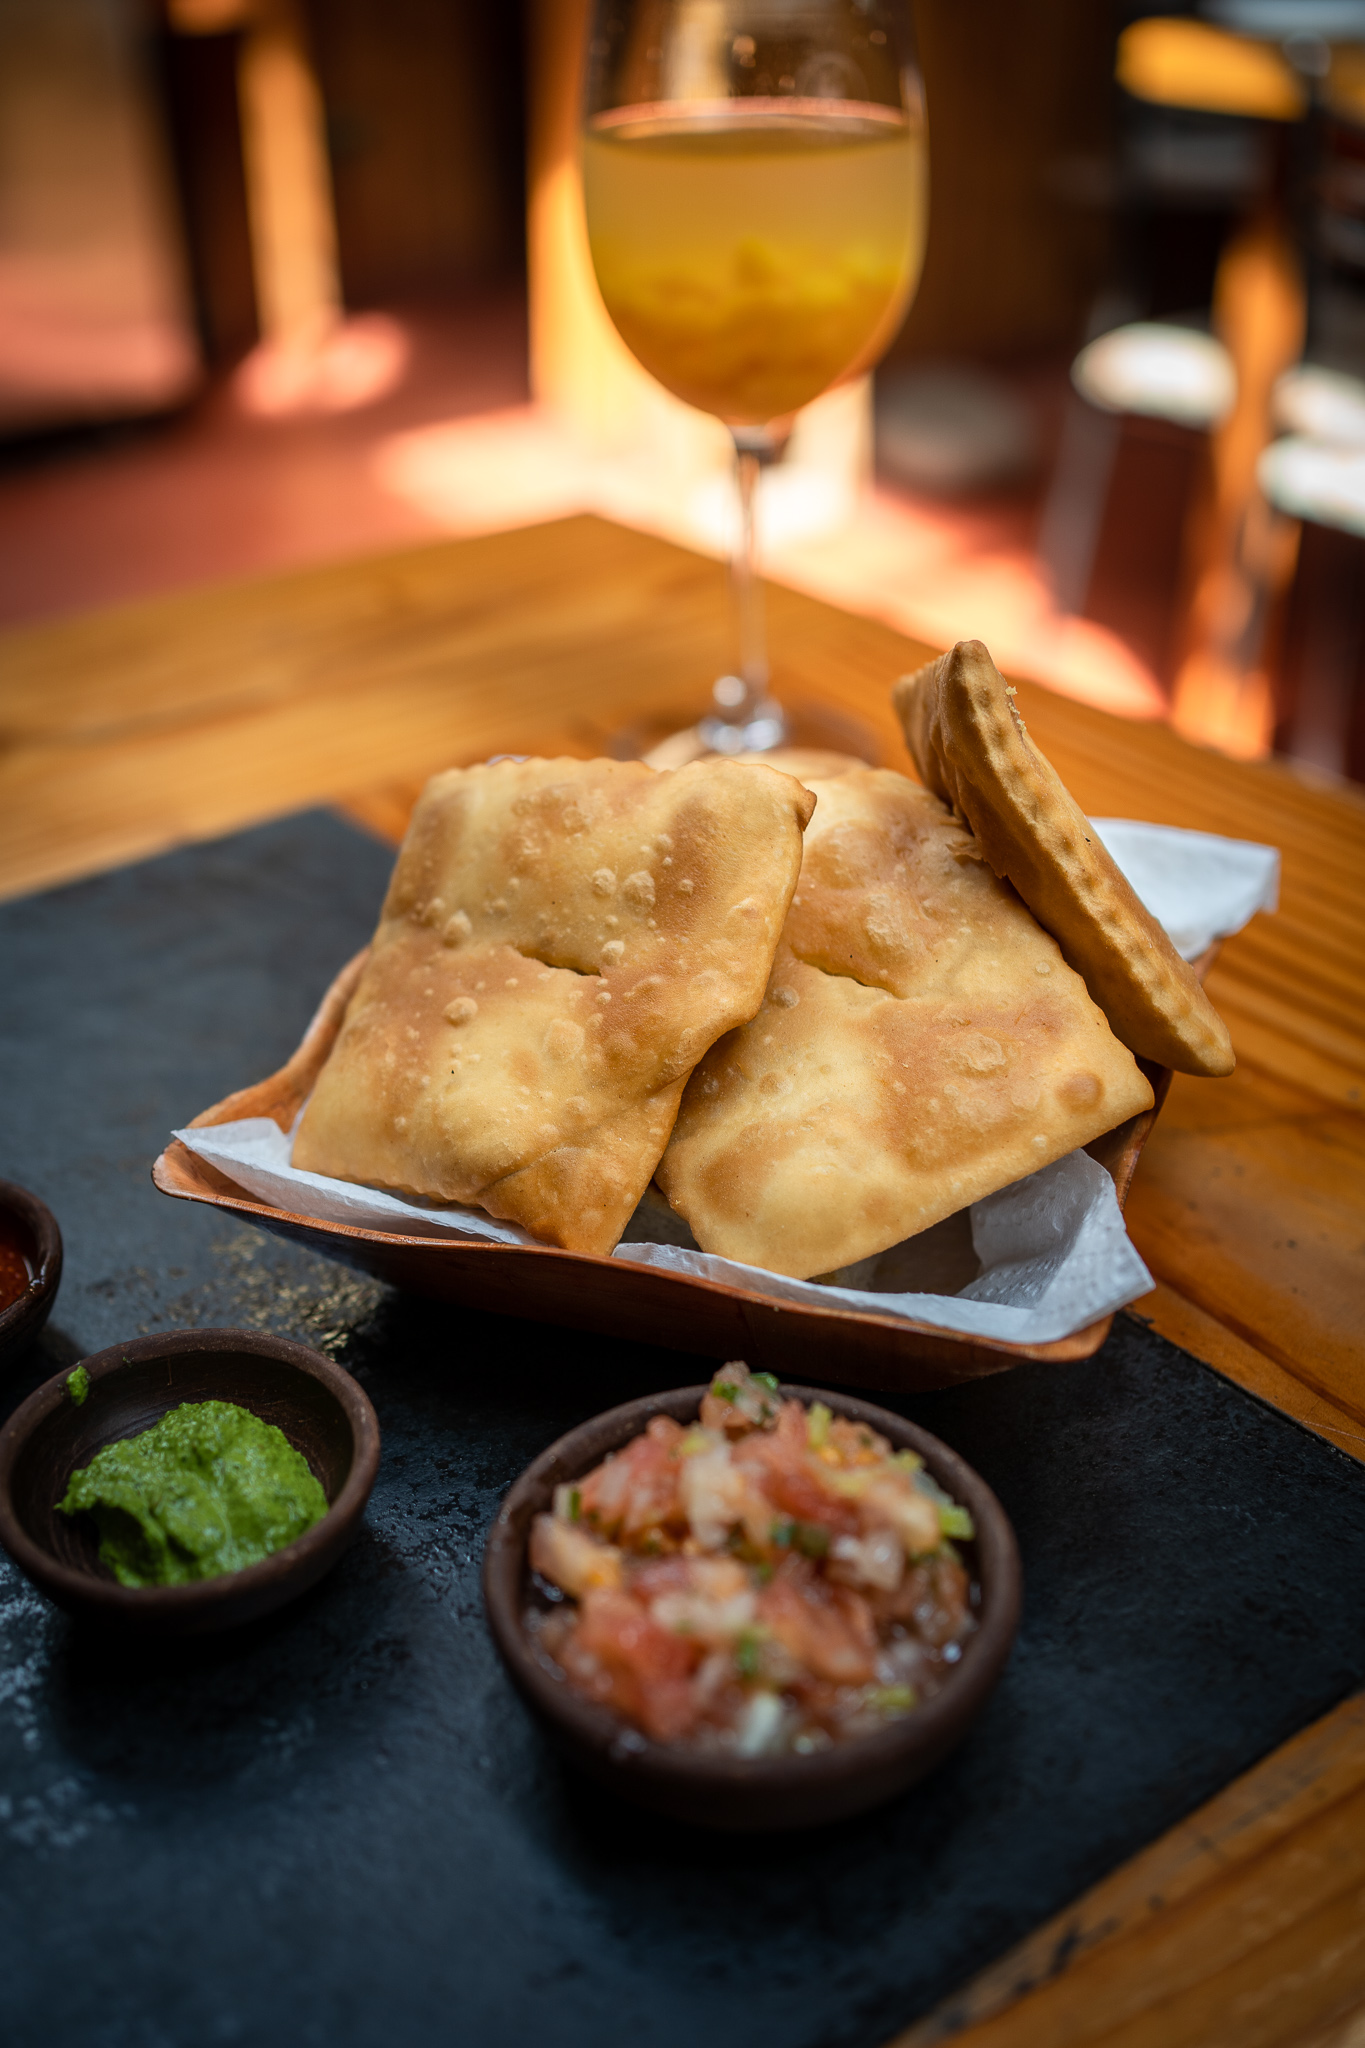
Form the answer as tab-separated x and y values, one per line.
754	174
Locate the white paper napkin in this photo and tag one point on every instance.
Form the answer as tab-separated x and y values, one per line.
1198	886
1052	1250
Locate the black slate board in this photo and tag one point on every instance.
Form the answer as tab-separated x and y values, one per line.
340	1826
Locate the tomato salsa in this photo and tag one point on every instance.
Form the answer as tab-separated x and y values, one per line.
15	1270
770	1579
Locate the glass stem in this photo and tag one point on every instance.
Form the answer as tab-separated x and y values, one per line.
743	718
751	640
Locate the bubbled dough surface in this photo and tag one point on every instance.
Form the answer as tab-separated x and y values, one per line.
922	1043
971	748
561	942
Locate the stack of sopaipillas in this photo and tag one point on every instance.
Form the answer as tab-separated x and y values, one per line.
589	976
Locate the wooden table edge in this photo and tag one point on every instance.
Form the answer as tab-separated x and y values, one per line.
1222	1843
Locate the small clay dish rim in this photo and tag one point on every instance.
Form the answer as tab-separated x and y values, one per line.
21	1322
319	1407
742	1794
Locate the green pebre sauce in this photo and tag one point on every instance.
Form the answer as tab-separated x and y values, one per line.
210	1489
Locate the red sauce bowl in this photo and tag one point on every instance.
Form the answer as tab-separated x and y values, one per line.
29	1234
751	1794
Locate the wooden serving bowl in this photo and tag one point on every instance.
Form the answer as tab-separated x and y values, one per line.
644	1304
34	1224
747	1795
321	1410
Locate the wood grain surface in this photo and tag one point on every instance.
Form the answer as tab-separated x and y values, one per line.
1244	1927
125	733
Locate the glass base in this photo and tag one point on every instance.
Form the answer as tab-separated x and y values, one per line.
814	729
766	727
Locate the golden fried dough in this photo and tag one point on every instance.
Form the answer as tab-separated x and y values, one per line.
561	942
971	748
922	1043
809	764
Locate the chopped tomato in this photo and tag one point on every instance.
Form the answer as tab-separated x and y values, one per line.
856	1444
828	1629
773	1578
648	1667
782	1464
637	1490
569	1556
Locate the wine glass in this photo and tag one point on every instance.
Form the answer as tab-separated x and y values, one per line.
755	182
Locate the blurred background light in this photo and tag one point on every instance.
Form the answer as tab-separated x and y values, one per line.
95	309
283	279
1182	63
1166	372
1310	480
1327	405
338	368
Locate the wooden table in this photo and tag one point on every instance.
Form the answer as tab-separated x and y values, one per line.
129	732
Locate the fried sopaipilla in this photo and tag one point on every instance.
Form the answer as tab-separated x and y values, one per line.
922	1044
971	747
561	943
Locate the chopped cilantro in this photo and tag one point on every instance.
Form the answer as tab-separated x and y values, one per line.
746	1653
724	1391
765	1379
78	1384
953	1520
808	1537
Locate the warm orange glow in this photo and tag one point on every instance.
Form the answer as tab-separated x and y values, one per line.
934	571
941	573
1182	63
351	365
289	188
207	17
1221	696
1346	82
579	363
67	348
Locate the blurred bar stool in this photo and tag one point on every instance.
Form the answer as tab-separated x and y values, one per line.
1315	474
289	186
1237	552
1144	449
1133	457
311	359
1240	552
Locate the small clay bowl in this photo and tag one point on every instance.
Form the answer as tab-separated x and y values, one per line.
31	1225
321	1410
750	1794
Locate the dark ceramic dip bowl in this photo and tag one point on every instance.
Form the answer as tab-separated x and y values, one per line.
319	1408
748	1794
33	1224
